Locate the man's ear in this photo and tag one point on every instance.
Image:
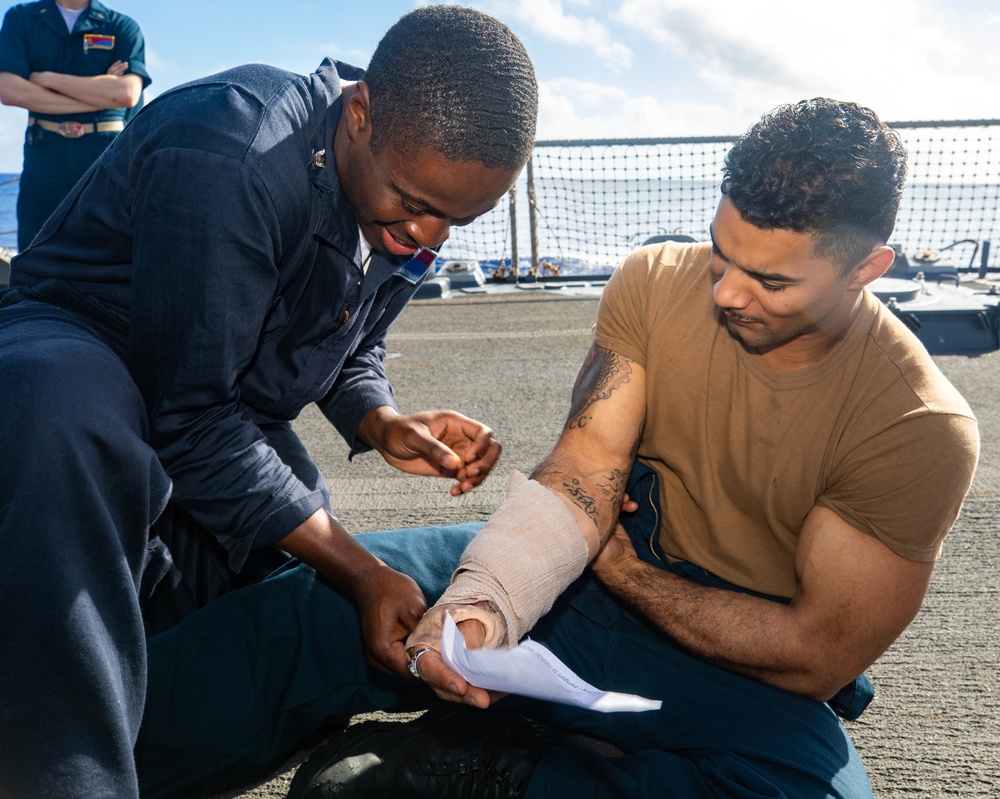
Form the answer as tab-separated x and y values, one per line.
874	265
358	110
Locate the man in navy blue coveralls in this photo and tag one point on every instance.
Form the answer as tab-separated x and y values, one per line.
79	86
237	253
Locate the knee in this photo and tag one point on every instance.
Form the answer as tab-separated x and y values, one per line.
54	393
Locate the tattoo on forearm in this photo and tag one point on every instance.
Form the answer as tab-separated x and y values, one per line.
587	503
603	371
614	488
608	499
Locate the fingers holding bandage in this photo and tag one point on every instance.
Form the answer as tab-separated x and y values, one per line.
481	625
427	665
529	551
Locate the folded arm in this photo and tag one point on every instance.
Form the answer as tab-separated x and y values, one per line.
22	93
110	90
854	598
57	93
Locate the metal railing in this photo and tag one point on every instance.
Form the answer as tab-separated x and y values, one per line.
589	202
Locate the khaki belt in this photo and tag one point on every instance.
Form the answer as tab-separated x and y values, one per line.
74	130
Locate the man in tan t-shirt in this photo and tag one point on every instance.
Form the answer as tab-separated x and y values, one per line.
759	466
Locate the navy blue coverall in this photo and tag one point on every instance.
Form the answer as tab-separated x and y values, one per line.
200	285
34	38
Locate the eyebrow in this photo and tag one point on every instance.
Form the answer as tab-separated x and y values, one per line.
770	277
414	200
427	208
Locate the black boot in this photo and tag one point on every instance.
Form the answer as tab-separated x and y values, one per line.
462	753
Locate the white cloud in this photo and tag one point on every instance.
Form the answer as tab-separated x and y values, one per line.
574	109
550	19
905	58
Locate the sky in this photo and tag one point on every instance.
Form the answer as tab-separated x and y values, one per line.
624	68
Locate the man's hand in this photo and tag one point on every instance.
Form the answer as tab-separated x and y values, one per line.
616	554
389	606
446	683
389	603
433	443
117	69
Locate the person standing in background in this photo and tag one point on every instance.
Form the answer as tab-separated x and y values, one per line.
79	69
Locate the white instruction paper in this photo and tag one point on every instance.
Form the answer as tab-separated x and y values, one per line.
529	669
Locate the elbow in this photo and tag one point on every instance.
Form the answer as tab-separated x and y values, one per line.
819	687
13	91
6	96
820	683
817	672
128	91
127	99
823	691
13	102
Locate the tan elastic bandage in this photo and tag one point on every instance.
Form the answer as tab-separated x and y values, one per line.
529	551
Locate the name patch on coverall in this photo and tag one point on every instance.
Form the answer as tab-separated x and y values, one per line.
98	41
417	266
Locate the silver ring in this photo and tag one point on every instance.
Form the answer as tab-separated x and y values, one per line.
411	664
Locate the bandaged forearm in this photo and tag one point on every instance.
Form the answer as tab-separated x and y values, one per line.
529	551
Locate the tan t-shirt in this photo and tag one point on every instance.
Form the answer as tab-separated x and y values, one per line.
874	432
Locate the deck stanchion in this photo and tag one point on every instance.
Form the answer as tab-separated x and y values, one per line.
532	219
514	263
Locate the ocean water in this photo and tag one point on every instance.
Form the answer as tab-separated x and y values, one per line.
8	210
588	226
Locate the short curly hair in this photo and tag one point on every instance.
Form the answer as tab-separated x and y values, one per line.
457	81
823	166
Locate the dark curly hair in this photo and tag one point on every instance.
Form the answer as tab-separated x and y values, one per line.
824	166
457	81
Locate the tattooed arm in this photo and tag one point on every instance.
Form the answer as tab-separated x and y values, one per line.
592	459
529	551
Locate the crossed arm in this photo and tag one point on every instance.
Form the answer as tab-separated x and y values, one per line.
59	93
854	595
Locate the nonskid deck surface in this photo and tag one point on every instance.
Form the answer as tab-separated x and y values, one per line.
510	360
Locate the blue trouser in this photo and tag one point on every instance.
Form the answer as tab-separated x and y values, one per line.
78	489
52	166
239	683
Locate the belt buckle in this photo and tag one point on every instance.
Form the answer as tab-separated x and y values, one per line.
71	130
